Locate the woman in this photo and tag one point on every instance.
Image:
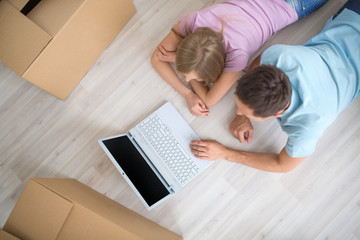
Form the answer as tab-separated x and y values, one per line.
212	46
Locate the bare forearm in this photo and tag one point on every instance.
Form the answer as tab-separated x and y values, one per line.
210	96
213	150
165	71
263	161
202	91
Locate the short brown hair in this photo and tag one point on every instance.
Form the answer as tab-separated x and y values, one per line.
265	89
203	52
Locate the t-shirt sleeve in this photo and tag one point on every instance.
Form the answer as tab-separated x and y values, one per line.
187	23
300	147
272	54
235	61
302	133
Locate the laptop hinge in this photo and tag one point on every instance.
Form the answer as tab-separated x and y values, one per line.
152	166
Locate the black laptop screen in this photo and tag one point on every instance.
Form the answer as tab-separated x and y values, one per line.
136	169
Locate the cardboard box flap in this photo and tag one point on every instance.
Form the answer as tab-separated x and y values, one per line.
39	214
78	44
108	209
18	4
52	15
21	40
7	236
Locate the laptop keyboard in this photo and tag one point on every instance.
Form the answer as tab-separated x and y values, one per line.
172	153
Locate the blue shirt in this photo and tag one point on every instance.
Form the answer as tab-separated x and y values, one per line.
325	79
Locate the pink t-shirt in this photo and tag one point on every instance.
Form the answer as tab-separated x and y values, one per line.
247	24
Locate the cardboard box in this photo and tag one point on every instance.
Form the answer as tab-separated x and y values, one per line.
7	236
57	42
66	209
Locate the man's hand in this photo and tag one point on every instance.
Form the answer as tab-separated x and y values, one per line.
196	106
165	55
242	128
208	150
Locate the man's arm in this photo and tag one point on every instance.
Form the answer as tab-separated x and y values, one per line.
272	162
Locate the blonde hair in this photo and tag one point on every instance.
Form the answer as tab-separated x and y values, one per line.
203	52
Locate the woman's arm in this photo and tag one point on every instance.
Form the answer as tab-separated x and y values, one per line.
163	55
211	96
161	62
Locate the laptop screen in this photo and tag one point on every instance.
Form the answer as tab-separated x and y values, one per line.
136	169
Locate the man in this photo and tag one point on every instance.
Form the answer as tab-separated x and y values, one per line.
304	87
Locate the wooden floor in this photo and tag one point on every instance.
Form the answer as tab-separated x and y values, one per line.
41	136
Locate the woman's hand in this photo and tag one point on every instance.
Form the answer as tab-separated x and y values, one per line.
208	150
196	106
165	55
242	128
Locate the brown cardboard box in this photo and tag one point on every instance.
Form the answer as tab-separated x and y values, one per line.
7	236
66	209
59	40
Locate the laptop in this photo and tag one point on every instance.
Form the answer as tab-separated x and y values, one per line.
154	157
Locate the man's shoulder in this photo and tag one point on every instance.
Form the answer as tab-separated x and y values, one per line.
285	55
305	121
303	133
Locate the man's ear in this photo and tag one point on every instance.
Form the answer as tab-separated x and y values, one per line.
255	63
278	114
